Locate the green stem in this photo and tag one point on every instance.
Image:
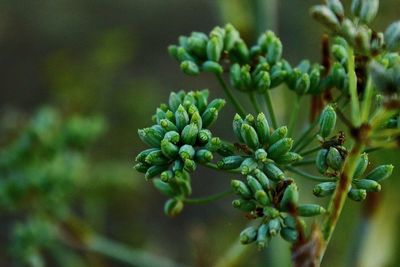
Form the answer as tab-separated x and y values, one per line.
254	102
270	108
308	152
125	254
304	162
215	167
309	176
305	135
231	97
366	105
208	199
339	196
293	115
355	103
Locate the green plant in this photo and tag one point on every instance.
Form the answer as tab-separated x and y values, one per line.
359	75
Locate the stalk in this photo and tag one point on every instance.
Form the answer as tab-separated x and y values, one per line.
294	115
239	108
207	199
270	109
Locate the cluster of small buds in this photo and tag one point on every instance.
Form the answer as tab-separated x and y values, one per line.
178	141
385	73
275	204
356	31
360	186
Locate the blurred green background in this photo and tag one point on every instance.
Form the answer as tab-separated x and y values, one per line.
109	59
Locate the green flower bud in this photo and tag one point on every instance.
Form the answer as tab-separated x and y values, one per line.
249	136
255	51
340	53
380	173
263	82
368	185
348	30
183	55
201	99
231	37
189	165
325	16
197	43
237	125
173	51
302	84
280	148
369	9
356	7
392	36
262	197
174	101
242	51
160	114
172	136
234	75
338	76
150	136
327	121
214	144
156	158
214	49
273	172
274	51
309	210
304	66
315	79
155	170
290	222
209	116
204	136
278	134
249	119
143	154
226	149
189	67
245	77
362	165
183	41
164	188
289	234
261	155
203	155
334	159
189	134
363	39
177	165
357	194
168	125
288	158
181	117
320	161
212	67
168	149
241	189
141	167
271	212
248	235
263	179
182	180
324	189
186	152
278	76
274	226
262	128
218	104
263	237
231	162
244	205
173	207
196	119
166	176
290	197
337	7
248	166
253	184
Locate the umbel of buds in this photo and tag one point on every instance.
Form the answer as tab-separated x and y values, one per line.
179	140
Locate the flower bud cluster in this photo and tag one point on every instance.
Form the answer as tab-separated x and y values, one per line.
178	141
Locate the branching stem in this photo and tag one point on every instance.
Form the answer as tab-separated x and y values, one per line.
239	108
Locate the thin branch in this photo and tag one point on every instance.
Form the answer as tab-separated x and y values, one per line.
309	176
207	199
231	97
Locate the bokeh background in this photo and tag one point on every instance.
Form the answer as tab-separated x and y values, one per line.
109	59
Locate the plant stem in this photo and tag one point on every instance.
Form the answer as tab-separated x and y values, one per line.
254	102
208	199
293	115
231	97
304	162
125	254
366	105
270	108
355	103
215	167
305	135
309	176
339	196
308	152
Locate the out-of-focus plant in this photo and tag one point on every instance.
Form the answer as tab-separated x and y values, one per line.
358	82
